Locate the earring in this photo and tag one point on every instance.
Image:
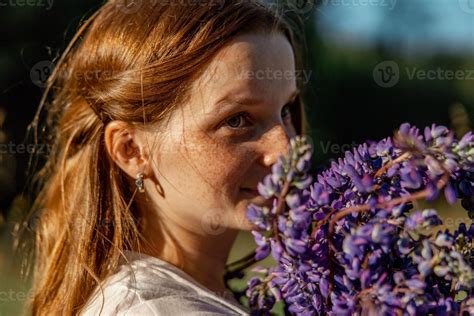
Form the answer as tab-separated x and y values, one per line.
139	182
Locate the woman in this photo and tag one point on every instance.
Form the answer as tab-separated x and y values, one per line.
163	119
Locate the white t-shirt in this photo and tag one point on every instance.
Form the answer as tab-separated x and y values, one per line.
156	287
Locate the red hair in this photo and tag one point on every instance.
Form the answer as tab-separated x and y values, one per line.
132	64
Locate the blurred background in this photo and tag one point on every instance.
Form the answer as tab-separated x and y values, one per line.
372	65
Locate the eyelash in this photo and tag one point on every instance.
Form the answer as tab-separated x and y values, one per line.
246	115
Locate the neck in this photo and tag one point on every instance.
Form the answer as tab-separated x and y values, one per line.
201	255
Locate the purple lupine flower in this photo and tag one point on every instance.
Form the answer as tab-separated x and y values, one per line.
450	194
383	258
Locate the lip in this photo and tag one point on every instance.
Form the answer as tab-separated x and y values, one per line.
253	194
250	191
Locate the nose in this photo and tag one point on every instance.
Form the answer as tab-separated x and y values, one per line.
275	143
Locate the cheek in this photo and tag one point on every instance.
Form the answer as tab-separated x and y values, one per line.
224	165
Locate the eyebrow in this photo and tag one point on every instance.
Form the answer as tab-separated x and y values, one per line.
232	101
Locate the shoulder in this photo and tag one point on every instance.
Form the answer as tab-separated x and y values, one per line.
152	287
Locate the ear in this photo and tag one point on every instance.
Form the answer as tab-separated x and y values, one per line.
125	146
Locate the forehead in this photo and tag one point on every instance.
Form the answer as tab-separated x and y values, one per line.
253	64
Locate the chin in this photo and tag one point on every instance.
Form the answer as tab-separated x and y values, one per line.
240	221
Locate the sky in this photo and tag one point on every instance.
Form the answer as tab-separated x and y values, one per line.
412	26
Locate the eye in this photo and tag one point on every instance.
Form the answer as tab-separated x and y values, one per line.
236	120
289	109
286	112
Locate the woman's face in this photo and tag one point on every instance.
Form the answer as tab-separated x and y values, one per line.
217	147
